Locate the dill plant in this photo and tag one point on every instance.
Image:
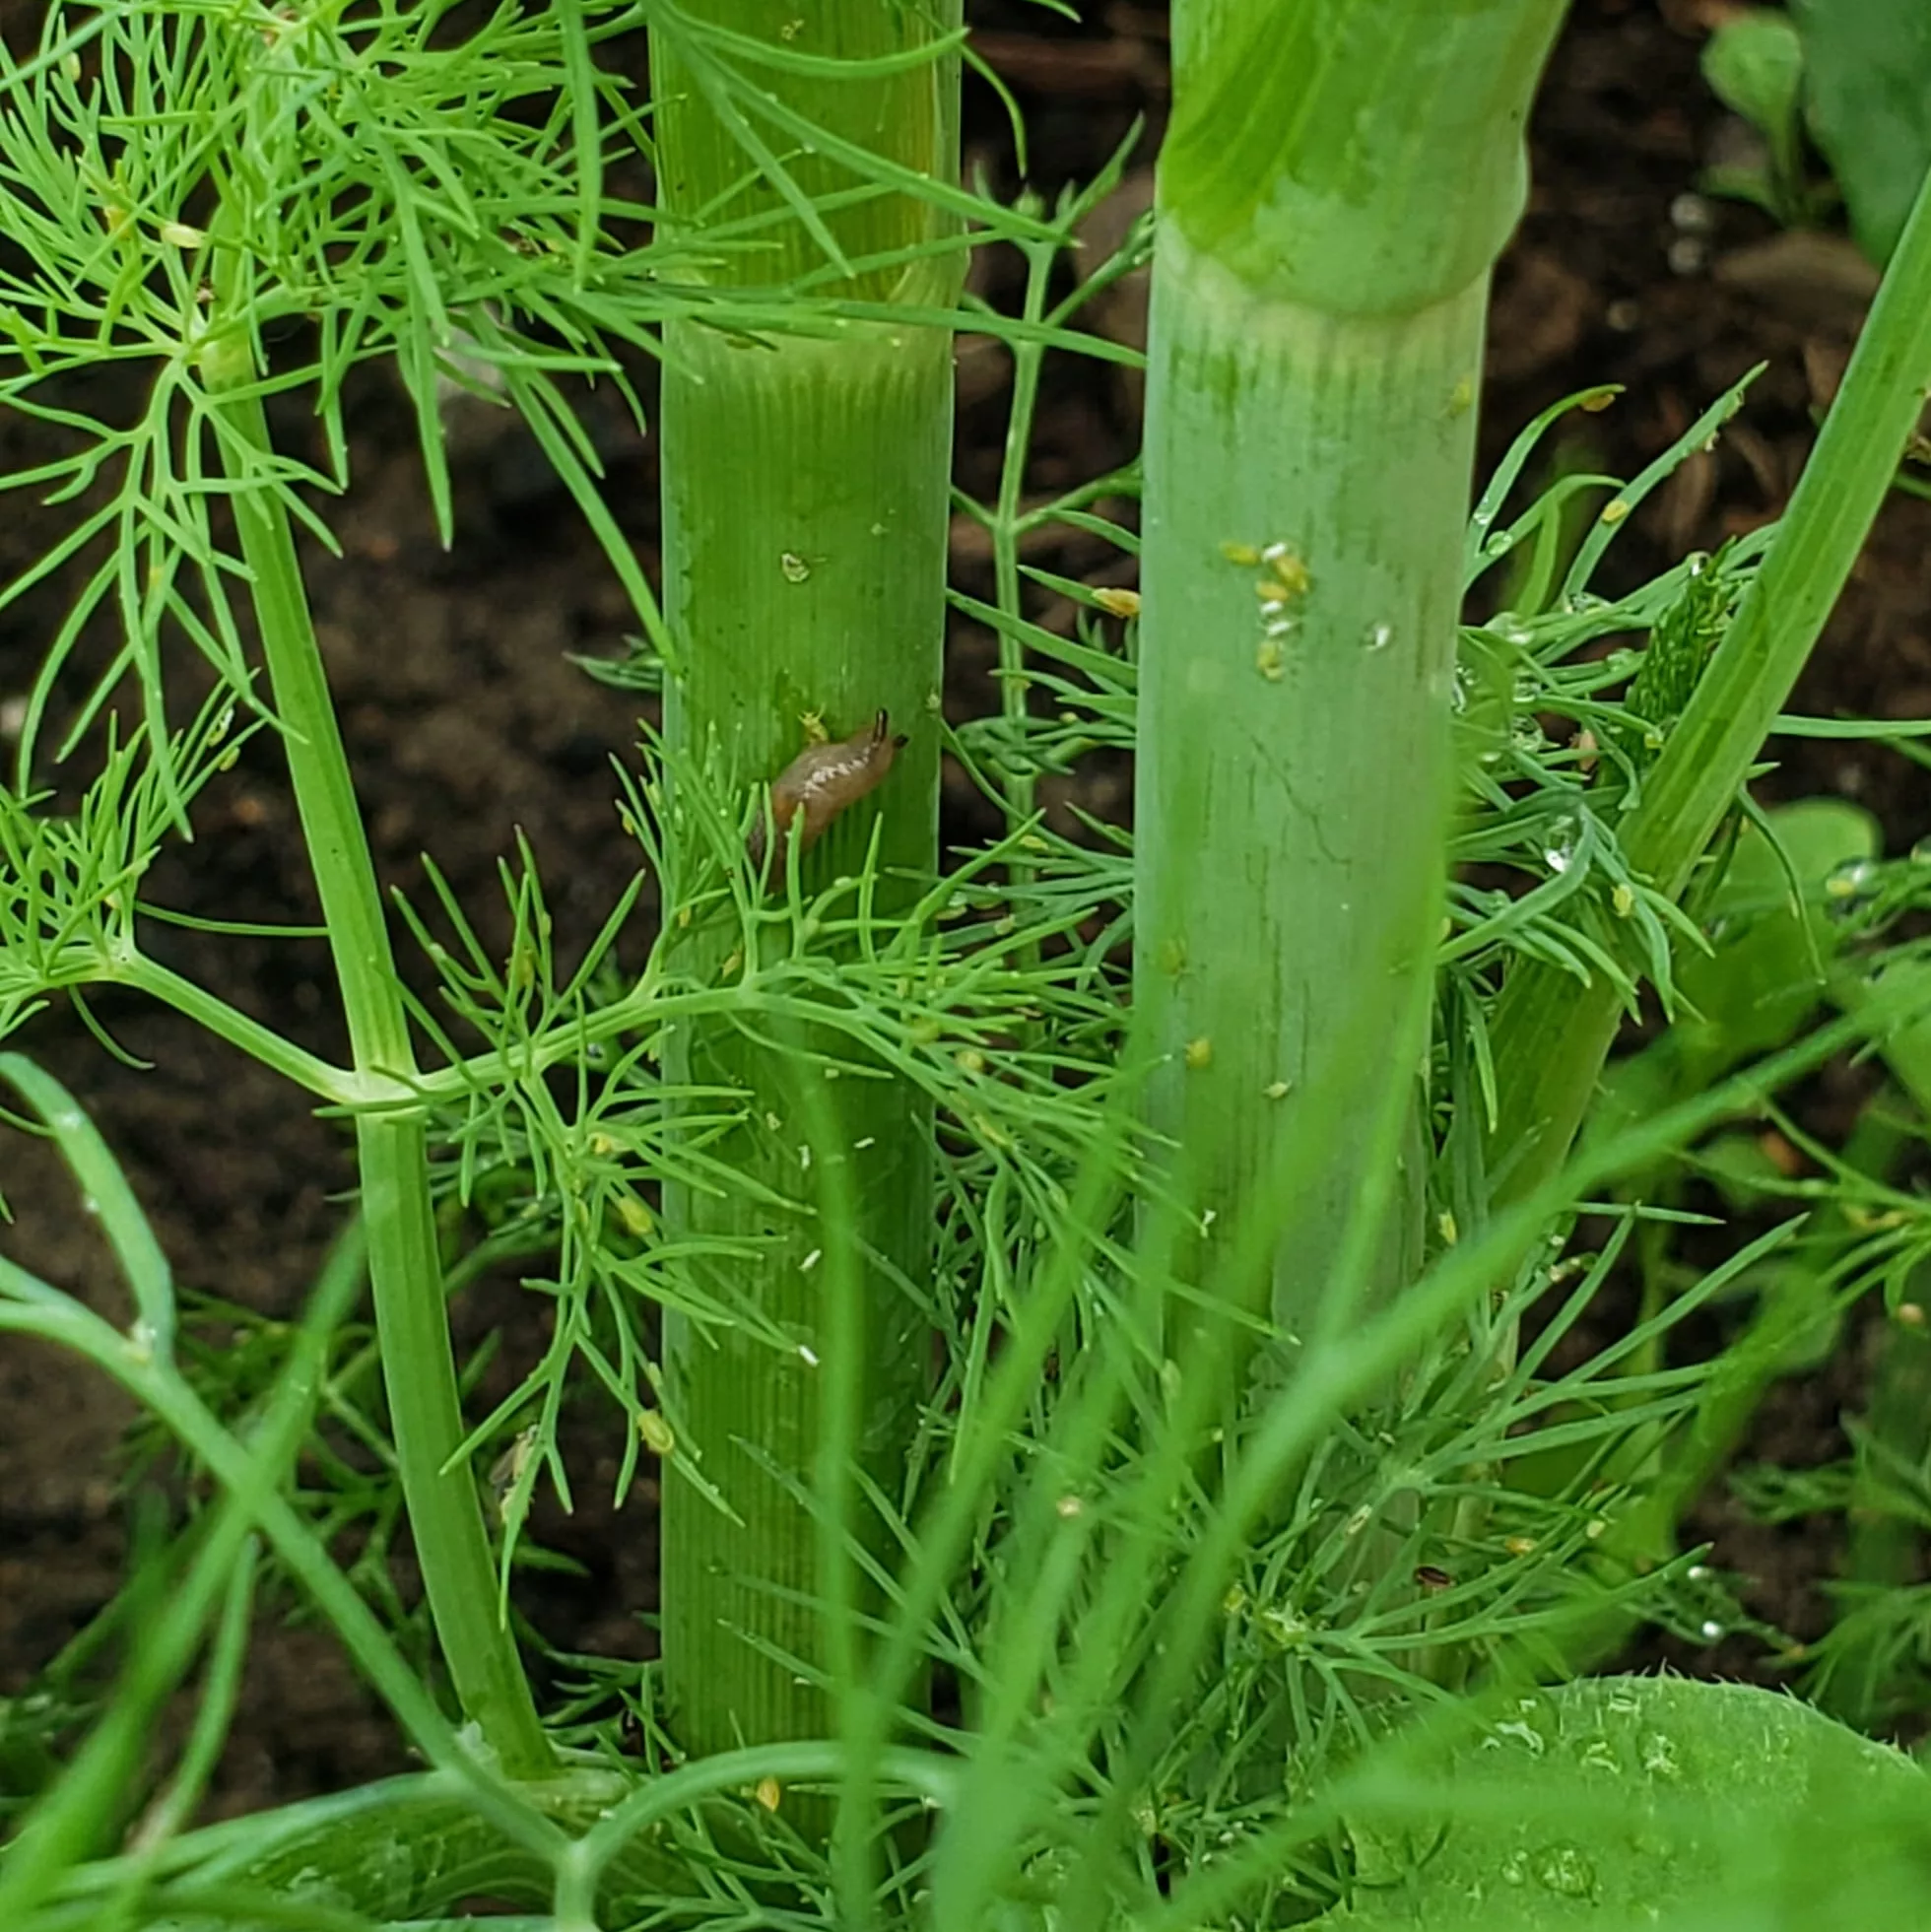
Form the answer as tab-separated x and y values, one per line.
1169	1666
1319	291
805	523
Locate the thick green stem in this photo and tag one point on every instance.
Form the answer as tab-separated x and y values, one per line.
393	1153
805	523
859	634
1335	189
1552	1031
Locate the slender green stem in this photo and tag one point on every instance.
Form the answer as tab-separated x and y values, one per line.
1552	1032
392	1152
30	1307
1020	786
60	1829
308	1071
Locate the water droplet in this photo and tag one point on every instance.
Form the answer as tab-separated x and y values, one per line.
1560	852
1712	1630
794	567
1851	879
1501	544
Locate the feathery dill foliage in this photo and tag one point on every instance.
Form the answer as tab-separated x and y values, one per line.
1184	1521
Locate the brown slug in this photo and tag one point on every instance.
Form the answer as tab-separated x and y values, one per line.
818	784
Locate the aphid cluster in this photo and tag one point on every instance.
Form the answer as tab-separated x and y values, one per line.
1281	581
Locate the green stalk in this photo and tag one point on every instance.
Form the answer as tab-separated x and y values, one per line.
1551	1032
93	1788
1334	191
805	524
392	1149
1020	787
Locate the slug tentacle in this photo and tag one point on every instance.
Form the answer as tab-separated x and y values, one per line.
817	785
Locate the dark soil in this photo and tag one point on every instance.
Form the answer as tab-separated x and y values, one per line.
468	725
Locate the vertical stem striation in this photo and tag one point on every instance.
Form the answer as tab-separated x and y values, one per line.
801	588
805	524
